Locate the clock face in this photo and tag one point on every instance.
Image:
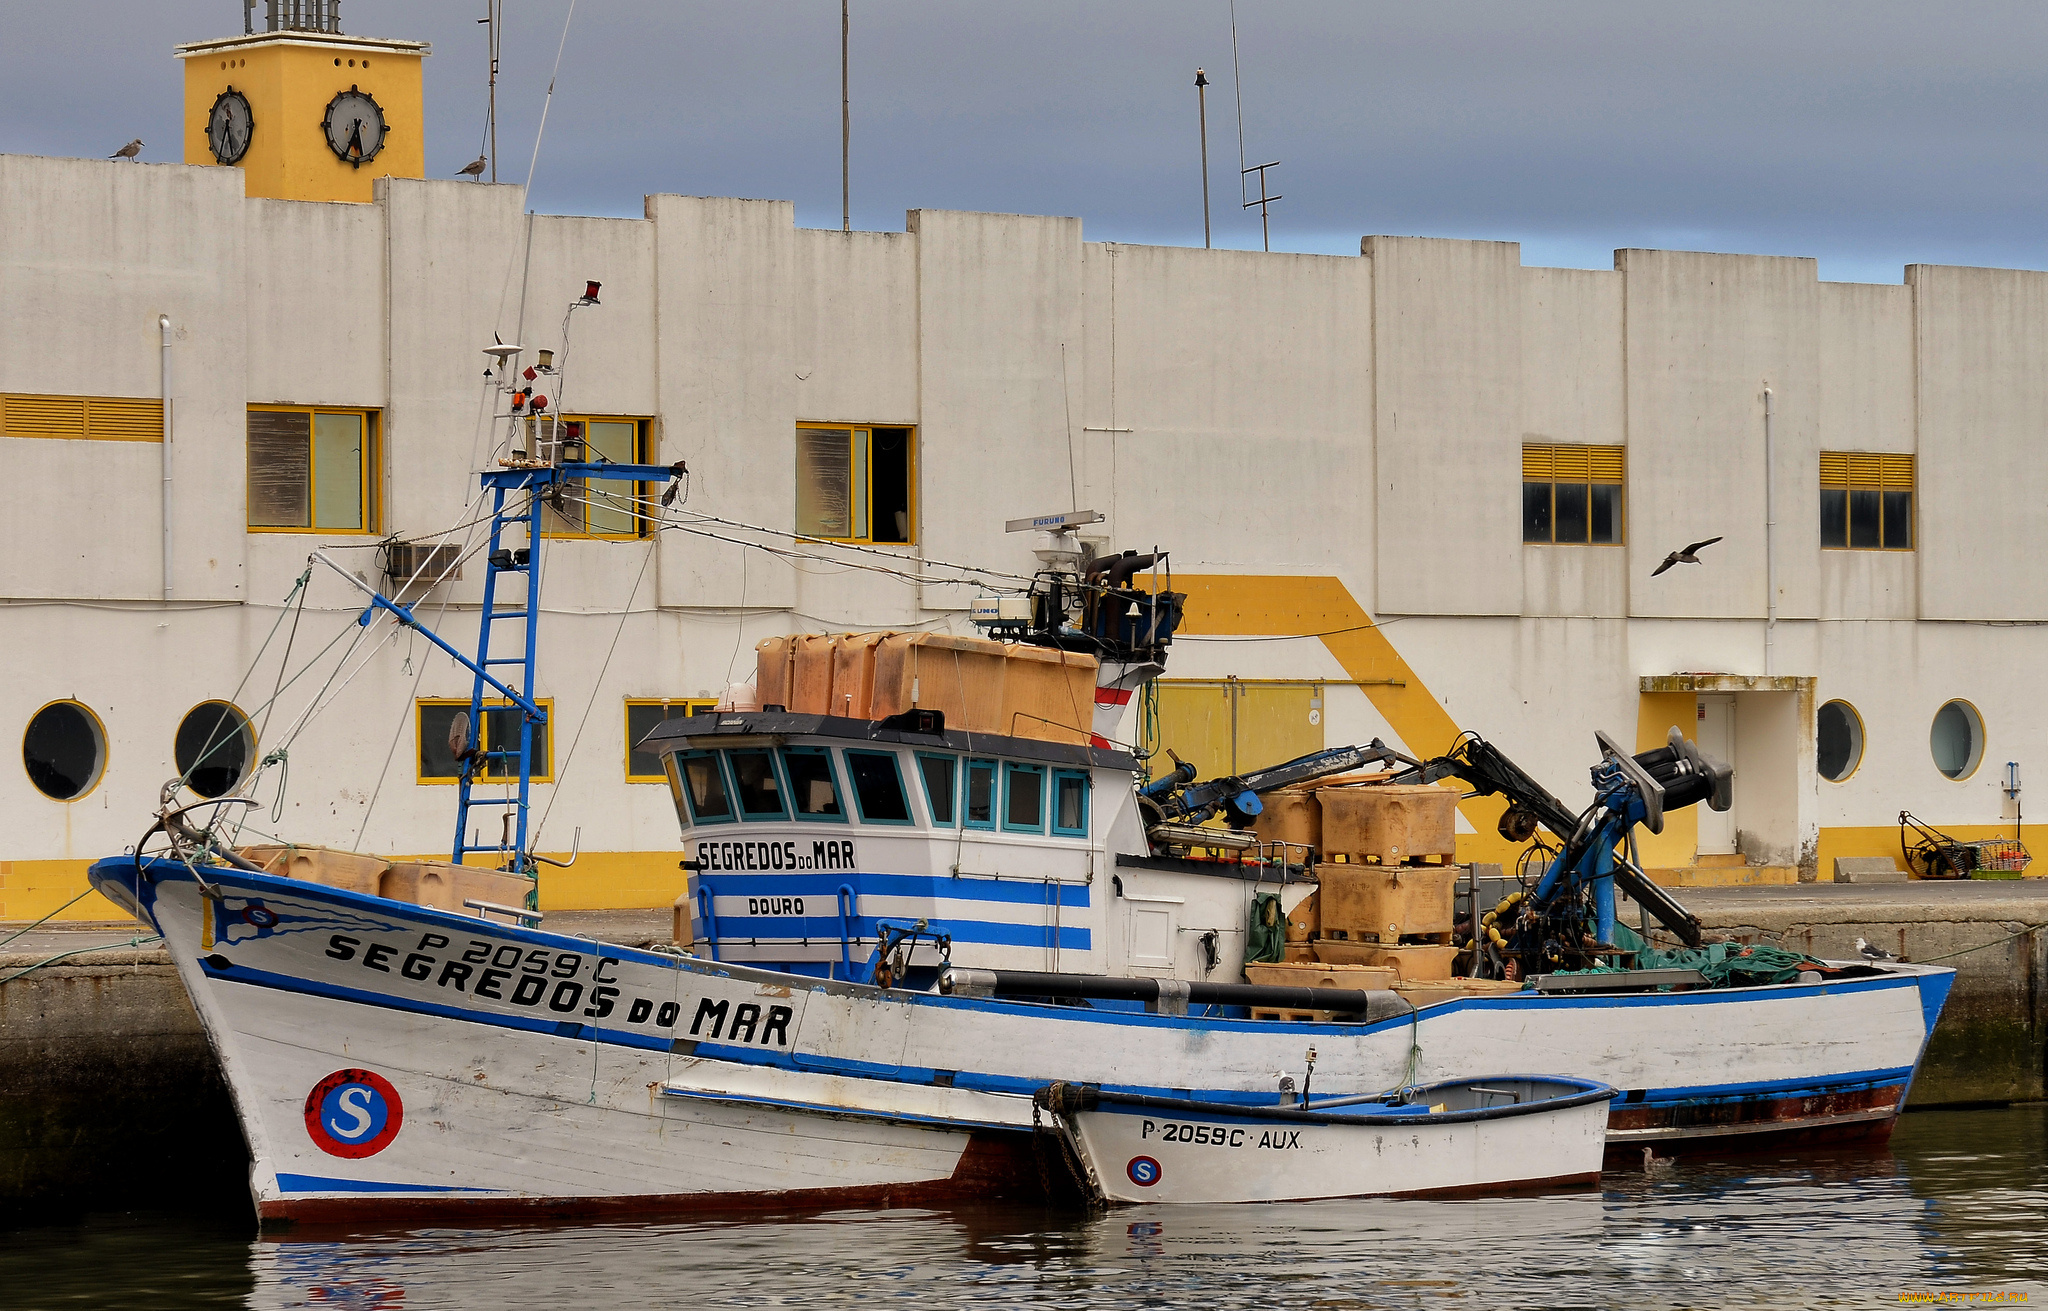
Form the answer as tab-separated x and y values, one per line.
354	127
229	125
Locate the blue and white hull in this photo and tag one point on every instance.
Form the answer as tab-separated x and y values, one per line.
388	1059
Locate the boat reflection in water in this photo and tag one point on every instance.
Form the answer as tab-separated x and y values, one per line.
1961	1203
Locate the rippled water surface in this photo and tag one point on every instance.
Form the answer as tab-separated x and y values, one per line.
1958	1204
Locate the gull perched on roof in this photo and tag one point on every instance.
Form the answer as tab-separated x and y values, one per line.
129	151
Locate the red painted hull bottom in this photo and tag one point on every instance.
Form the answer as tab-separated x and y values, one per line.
996	1166
1864	1115
1001	1166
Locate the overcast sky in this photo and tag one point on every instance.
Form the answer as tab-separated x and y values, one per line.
1869	134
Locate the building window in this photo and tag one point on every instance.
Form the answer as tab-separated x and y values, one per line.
642	716
1957	739
597	507
64	750
82	418
437	764
1571	495
214	748
1839	743
877	787
1866	501
855	484
312	470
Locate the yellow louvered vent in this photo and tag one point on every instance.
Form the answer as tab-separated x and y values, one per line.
1870	469
1572	464
82	418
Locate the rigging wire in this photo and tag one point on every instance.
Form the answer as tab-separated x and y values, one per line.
625	611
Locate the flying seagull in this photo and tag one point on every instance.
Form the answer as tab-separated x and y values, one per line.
1683	557
129	151
475	168
1869	952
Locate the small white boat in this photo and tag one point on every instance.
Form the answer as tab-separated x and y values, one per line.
1505	1134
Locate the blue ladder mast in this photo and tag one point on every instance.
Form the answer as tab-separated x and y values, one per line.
519	495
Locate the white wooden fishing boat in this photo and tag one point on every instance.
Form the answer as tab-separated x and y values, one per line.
1464	1136
398	1045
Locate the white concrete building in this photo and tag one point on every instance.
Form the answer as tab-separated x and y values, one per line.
1454	474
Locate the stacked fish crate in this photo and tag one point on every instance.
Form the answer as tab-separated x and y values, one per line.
1387	878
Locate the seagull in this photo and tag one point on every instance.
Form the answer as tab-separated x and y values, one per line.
1683	557
475	168
1869	952
1654	1164
129	151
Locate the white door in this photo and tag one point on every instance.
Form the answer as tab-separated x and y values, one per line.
1716	736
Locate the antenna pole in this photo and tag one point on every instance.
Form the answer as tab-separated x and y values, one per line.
496	9
1202	106
845	125
1237	89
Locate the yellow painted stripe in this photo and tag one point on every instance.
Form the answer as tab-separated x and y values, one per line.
1262	605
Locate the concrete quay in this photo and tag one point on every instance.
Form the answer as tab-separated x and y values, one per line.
109	1096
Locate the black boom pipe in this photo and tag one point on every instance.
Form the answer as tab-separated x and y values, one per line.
1374	1005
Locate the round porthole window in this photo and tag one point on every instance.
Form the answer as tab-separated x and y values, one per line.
1957	739
1839	745
64	750
214	747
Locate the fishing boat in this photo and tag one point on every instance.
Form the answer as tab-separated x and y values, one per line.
1456	1137
927	882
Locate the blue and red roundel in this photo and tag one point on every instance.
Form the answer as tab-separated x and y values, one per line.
353	1113
1143	1170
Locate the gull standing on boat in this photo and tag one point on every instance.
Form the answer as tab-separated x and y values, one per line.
474	169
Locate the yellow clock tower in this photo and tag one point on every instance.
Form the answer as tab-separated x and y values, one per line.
305	112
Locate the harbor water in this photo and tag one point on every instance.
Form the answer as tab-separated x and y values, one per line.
1953	1212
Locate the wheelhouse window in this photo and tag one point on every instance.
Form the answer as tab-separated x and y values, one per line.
812	789
597	507
979	807
643	716
1070	803
435	717
312	469
757	785
1024	798
877	787
1572	495
702	785
855	484
939	785
1866	501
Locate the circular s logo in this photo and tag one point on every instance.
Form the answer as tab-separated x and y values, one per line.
1143	1170
353	1113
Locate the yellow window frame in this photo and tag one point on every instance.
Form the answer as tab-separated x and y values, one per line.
863	477
1579	465
689	705
642	495
373	464
547	705
1874	471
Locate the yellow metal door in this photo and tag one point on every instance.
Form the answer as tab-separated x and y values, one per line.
1225	728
